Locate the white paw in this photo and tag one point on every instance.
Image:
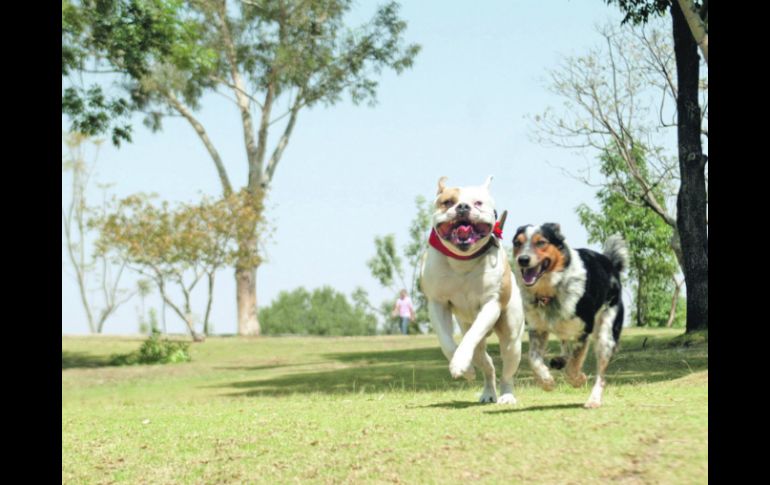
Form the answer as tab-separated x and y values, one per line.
488	396
592	404
460	367
506	399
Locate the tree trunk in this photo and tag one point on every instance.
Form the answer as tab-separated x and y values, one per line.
674	302
697	27
639	305
208	304
246	294
691	201
197	337
165	332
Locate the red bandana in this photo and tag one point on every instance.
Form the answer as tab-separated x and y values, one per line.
498	230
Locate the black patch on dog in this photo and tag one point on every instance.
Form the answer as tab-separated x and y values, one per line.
557	363
602	288
552	232
520	229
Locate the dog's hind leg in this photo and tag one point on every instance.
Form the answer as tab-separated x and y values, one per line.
441	318
510	351
483	361
605	347
538	343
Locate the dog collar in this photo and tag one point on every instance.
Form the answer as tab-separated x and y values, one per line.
497	230
543	300
434	241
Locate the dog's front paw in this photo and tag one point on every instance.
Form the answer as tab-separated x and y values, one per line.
506	399
488	396
548	384
459	371
592	403
576	380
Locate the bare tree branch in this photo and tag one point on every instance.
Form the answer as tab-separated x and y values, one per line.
282	142
198	127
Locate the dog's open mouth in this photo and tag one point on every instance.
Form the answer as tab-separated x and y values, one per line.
463	233
532	274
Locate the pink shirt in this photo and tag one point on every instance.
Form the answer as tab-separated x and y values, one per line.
404	307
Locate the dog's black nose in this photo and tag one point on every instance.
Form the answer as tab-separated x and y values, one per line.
523	261
463	208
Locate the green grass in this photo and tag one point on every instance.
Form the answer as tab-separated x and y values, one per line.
376	410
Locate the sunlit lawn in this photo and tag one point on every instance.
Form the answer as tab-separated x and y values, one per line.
375	409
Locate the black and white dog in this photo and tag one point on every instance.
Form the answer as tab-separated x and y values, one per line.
573	293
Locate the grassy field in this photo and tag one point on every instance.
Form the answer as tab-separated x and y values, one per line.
376	410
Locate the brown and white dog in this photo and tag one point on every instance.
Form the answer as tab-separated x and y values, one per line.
466	273
574	293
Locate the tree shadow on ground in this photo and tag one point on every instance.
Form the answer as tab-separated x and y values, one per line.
426	369
71	360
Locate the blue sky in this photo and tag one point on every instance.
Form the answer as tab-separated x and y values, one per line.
352	172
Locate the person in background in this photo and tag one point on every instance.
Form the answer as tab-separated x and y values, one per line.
404	310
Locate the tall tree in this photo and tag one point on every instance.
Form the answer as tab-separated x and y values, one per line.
610	95
652	265
179	247
77	239
692	200
274	58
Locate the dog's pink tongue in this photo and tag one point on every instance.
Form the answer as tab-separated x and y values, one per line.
530	274
464	232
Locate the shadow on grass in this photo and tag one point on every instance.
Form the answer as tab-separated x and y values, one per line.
71	360
425	369
456	405
269	366
550	407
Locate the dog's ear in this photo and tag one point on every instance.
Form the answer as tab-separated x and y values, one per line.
552	232
441	184
520	229
487	182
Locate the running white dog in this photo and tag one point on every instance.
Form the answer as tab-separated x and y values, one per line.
466	274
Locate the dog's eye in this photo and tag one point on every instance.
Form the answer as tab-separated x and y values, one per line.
477	203
447	203
517	244
541	243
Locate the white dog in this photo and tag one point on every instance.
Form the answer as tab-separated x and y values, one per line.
466	273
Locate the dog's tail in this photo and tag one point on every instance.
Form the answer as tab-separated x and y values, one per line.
616	249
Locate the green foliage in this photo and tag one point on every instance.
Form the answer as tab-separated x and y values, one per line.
155	350
652	264
162	238
159	47
386	264
322	312
639	11
116	37
387	267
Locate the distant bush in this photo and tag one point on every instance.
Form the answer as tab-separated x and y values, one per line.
322	312
155	350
